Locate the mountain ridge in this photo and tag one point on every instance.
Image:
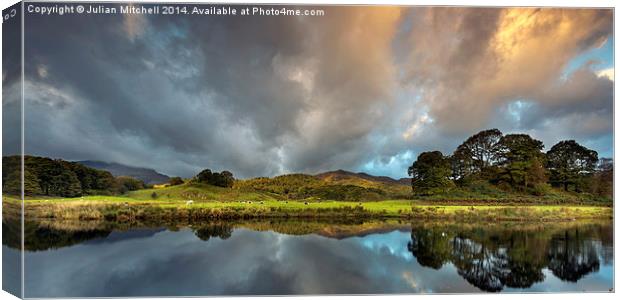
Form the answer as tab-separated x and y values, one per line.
147	175
151	176
340	174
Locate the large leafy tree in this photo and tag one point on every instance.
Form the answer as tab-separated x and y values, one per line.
430	173
569	163
480	150
522	160
462	164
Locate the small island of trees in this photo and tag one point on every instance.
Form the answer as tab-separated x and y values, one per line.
514	163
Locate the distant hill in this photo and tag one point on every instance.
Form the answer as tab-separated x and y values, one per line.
342	175
149	176
405	181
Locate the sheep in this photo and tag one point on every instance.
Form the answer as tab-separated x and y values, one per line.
189	202
305	203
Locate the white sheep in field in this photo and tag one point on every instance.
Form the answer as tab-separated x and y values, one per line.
189	202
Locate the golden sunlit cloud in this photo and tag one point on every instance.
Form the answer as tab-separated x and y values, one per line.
608	73
485	58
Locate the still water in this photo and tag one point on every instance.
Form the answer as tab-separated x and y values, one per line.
276	258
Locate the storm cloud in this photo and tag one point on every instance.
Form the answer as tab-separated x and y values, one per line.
361	88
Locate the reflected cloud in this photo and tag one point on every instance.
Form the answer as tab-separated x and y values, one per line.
227	259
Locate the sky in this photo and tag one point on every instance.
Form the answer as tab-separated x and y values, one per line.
365	89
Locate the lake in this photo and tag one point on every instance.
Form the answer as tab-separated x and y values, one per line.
288	258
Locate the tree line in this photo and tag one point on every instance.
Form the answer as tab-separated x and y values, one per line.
514	162
56	177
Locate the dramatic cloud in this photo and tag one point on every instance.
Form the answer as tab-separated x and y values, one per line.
479	59
361	88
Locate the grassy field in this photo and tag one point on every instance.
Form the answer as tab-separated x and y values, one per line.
141	206
206	202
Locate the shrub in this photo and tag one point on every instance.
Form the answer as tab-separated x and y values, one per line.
540	189
126	184
176	181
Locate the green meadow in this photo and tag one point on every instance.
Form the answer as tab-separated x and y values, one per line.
192	201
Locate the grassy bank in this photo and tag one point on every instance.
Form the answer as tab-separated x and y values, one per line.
127	209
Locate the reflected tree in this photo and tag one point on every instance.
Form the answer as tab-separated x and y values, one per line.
220	230
525	258
40	238
431	248
479	265
509	258
571	256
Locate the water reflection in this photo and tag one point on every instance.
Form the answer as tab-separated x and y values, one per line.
573	255
261	258
492	259
220	230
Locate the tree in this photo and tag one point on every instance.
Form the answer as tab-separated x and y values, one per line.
176	181
479	151
68	185
462	164
105	181
521	159
205	176
227	179
12	183
569	162
31	183
126	184
430	173
602	183
224	179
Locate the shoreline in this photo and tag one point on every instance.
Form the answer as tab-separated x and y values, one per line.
128	210
47	234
